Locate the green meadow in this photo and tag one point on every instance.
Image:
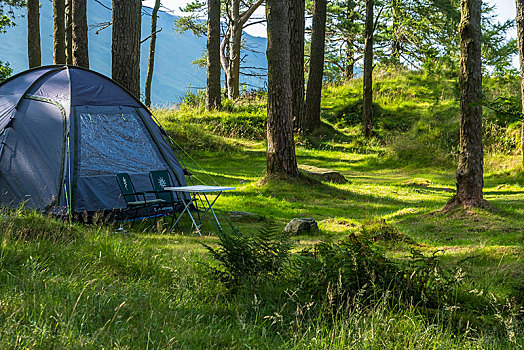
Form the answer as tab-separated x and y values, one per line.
77	285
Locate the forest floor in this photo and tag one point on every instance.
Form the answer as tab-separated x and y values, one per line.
86	286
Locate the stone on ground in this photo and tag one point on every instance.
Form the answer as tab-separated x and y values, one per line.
298	226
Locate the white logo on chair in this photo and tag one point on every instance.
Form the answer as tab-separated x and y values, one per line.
162	182
124	181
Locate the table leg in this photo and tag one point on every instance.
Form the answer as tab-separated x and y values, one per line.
186	208
210	208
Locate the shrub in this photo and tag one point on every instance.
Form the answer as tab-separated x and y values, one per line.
254	258
356	268
376	229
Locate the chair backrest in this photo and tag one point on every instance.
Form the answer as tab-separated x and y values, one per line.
126	187
159	180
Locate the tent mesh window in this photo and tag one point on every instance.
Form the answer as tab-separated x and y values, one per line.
113	143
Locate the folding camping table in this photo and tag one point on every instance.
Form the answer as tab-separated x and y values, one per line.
187	202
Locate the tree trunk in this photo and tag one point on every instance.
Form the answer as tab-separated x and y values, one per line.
234	50
520	35
213	98
127	17
296	56
59	54
69	33
316	66
395	40
350	60
151	62
471	155
281	158
79	33
367	108
33	33
350	48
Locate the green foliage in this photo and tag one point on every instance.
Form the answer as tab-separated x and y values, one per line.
356	268
377	230
250	258
5	71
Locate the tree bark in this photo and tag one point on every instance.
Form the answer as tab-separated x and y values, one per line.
79	48
520	35
281	158
395	40
151	61
213	97
34	53
234	50
231	70
127	18
316	66
350	48
296	56
367	107
69	33
471	155
59	54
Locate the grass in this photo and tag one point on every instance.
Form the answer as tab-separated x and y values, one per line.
85	286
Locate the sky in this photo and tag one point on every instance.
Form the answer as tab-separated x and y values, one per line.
505	9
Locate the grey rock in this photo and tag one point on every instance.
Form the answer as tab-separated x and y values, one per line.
298	226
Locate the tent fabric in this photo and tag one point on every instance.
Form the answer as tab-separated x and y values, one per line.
65	132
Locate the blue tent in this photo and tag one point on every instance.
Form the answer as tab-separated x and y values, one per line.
64	133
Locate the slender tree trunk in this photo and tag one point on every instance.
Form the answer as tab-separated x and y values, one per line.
471	155
350	60
281	158
59	54
367	108
127	18
296	55
316	66
151	62
33	33
234	50
520	35
80	51
69	33
395	40
350	49
213	97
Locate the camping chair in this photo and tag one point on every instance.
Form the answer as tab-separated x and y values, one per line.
137	200
159	180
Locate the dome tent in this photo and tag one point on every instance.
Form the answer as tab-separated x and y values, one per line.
65	132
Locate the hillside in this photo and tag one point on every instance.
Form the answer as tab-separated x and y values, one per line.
174	72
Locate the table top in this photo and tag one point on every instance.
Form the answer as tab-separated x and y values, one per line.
199	188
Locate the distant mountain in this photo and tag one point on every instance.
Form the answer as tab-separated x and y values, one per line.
174	73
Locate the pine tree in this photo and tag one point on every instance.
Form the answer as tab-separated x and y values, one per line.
520	35
79	49
59	53
471	155
125	50
316	66
151	61
296	57
281	158
367	108
213	96
69	32
33	33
